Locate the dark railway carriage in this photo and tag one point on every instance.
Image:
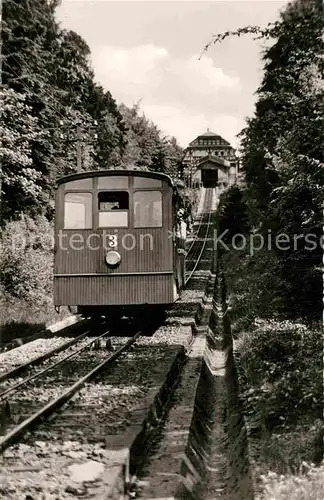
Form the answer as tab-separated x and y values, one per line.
118	247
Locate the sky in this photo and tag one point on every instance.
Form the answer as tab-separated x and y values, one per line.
149	51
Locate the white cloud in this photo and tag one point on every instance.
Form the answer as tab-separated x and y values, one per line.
148	68
186	125
201	76
182	96
118	67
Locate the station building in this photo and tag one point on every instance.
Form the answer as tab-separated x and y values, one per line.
210	159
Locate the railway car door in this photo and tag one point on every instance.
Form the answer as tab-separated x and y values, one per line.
182	253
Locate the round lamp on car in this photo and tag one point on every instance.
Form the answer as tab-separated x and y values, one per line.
113	258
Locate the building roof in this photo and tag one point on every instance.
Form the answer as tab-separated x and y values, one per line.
211	159
211	135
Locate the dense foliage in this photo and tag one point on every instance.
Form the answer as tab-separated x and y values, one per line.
274	290
145	147
55	119
284	379
280	369
26	260
282	151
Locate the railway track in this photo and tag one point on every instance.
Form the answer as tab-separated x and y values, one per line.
50	331
18	424
198	244
90	418
12	386
37	360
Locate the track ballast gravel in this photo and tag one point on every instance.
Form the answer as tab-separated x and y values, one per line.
65	457
27	352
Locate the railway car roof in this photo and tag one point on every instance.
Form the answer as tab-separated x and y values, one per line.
101	173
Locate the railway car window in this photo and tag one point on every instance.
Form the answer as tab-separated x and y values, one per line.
79	184
147	182
113	208
113	182
147	209
78	211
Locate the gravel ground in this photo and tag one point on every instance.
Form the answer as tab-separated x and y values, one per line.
48	362
191	296
65	457
54	462
27	352
25	401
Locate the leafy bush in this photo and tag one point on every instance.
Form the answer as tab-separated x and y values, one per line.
26	260
306	485
272	282
284	452
281	370
255	287
232	214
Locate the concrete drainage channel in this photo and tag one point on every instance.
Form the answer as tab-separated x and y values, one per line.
132	451
190	429
177	467
197	445
242	483
188	440
230	476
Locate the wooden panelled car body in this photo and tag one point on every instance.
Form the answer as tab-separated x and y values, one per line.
118	247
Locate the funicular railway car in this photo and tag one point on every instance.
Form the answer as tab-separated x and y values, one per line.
119	247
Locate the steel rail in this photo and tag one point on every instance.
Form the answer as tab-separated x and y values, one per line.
201	217
200	254
204	243
46	333
48	368
201	222
195	251
56	403
43	357
195	235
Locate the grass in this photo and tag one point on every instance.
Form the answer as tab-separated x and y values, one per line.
26	276
19	318
308	484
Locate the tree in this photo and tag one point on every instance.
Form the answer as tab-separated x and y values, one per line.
282	152
51	69
30	43
174	154
21	186
146	148
62	121
110	129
